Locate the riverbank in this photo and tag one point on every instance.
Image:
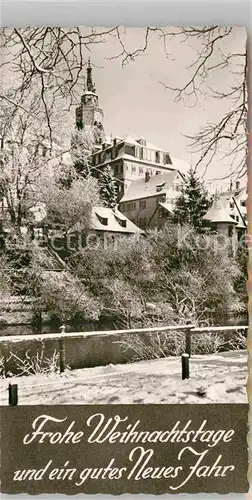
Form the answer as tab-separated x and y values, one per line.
214	378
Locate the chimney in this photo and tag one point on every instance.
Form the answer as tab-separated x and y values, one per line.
147	176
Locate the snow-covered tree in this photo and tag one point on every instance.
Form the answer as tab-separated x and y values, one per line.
192	204
108	188
81	149
71	206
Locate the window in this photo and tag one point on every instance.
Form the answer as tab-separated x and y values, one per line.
131	206
160	213
167	159
142	204
148	154
103	220
129	150
121	222
159	187
137	152
140	170
142	222
102	157
133	168
177	187
142	141
243	203
231	204
157	157
79	124
230	231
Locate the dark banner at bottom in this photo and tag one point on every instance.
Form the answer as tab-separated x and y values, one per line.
124	449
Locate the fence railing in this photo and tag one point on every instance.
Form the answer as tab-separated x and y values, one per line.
209	329
188	330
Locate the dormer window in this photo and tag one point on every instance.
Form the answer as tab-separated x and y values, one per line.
142	142
167	159
103	220
122	222
159	187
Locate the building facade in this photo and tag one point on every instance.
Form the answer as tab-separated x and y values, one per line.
227	215
149	201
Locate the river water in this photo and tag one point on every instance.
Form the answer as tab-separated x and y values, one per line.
105	324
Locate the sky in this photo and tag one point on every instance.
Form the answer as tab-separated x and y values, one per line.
135	101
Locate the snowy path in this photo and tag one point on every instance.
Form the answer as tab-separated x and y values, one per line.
223	377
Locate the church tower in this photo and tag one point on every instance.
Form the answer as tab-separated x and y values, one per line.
89	116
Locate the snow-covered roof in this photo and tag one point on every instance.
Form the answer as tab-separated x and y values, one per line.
131	140
177	164
141	188
167	206
108	219
219	212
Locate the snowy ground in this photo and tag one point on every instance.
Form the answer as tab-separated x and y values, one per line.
215	378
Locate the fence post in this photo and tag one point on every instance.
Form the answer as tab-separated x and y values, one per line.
13	394
185	366
188	342
62	354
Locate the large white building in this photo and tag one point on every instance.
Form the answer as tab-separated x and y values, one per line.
130	158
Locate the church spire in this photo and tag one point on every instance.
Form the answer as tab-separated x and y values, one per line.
90	85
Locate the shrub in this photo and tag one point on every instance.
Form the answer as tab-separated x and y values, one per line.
161	345
29	365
